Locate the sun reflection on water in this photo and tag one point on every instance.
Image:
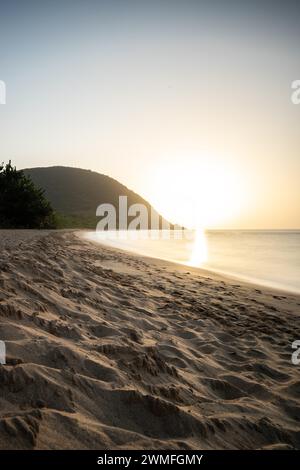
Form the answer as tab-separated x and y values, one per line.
199	252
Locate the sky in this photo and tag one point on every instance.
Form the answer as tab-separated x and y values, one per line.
187	102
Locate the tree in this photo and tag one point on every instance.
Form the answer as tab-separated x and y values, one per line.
22	205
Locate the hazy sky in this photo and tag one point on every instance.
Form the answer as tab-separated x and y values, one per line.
186	102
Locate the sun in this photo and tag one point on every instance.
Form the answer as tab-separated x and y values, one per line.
198	193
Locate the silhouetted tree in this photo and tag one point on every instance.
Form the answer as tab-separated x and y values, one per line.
22	205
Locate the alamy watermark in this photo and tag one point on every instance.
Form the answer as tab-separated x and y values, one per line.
2	92
2	352
136	220
296	354
295	96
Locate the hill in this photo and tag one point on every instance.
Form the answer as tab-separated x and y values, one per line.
76	193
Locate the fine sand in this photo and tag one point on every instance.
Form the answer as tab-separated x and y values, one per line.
110	350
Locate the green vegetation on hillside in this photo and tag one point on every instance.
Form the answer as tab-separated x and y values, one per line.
75	221
75	194
22	204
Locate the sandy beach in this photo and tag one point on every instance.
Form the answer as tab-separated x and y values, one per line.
109	350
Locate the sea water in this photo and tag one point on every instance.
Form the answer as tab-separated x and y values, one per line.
266	257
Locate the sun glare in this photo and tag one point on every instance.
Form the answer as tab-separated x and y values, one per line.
198	194
199	252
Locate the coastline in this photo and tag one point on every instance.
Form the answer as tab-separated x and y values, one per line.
216	274
108	349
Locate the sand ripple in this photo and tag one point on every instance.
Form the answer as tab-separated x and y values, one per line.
109	350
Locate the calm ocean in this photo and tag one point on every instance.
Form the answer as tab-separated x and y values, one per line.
266	257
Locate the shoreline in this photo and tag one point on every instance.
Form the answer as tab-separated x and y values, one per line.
107	349
203	271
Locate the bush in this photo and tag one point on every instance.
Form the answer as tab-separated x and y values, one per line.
22	205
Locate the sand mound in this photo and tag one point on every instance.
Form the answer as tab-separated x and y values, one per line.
109	350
